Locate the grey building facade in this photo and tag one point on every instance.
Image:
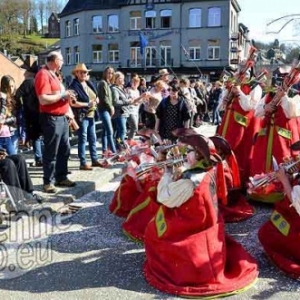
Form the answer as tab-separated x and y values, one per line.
187	37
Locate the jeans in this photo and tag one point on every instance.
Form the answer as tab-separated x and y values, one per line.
120	123
15	141
37	149
87	133
133	121
216	117
107	137
57	147
6	143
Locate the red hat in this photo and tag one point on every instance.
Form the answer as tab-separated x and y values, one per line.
223	148
150	134
205	147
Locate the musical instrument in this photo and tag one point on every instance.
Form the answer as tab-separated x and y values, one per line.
240	76
144	168
257	182
289	80
258	79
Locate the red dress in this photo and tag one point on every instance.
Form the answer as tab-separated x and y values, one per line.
143	210
238	127
280	237
275	137
125	196
188	252
237	208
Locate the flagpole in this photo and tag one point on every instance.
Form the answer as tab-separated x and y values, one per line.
166	65
189	58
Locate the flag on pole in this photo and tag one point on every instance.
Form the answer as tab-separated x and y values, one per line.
186	53
143	43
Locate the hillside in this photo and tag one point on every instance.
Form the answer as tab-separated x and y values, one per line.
32	44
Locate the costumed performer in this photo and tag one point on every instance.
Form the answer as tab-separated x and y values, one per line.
187	250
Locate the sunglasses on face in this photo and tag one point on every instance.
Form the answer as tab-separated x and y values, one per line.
83	72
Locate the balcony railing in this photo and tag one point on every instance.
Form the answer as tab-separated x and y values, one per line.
149	63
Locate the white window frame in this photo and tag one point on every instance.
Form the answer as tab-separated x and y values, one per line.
195	17
98	54
68	28
135	57
166	13
214	17
193	53
76	26
150	56
114	27
115	56
68	56
213	48
165	55
76	55
136	21
150	15
97	26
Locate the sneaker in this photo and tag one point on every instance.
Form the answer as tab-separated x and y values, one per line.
49	188
86	168
66	183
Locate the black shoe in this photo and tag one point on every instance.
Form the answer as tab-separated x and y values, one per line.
38	198
38	163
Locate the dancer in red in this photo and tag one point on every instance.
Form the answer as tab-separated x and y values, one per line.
187	251
280	236
131	186
239	125
237	207
146	205
278	131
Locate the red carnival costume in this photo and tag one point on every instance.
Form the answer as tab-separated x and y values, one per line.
143	210
279	129
131	186
280	236
187	251
239	126
237	207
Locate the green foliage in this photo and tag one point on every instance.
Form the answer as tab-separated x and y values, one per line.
17	44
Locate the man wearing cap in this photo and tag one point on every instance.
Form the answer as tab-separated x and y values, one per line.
54	105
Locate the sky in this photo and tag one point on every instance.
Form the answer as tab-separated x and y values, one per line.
256	14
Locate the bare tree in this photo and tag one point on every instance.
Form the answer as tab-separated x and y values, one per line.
25	12
9	15
41	12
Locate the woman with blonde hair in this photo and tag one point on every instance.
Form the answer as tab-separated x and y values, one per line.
152	101
106	109
121	102
133	118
